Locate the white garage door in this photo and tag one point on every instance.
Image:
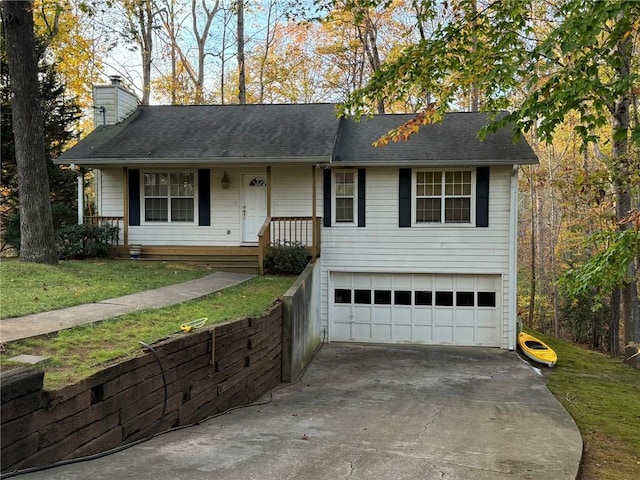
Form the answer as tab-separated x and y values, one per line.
416	308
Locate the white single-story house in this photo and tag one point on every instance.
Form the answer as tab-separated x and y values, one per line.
413	242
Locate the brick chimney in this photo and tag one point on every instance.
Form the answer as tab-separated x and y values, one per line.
112	103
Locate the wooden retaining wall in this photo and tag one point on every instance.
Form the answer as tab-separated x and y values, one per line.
207	372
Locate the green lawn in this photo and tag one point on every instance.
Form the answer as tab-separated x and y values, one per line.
81	351
30	288
603	397
600	393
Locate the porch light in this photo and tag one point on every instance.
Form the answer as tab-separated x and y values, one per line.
225	181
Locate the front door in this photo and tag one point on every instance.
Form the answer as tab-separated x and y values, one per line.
254	208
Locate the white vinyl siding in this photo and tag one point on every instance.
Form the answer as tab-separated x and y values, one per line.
117	102
109	191
383	247
291	195
109	183
291	191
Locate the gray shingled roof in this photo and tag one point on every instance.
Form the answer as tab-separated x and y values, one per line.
309	133
452	142
212	134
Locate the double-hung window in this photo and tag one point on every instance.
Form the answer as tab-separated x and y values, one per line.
169	197
443	196
345	195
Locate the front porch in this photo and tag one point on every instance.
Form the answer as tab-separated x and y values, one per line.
245	259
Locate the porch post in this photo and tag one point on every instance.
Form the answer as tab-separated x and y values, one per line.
125	216
268	190
80	176
314	233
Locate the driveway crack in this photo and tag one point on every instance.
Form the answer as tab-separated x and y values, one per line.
434	415
351	470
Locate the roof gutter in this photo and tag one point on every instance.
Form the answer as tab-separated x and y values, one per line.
450	162
184	161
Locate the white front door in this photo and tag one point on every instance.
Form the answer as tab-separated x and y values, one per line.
254	206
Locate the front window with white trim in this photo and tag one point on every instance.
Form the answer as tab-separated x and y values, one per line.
169	197
345	196
443	196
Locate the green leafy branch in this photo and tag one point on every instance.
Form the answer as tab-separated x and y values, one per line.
606	270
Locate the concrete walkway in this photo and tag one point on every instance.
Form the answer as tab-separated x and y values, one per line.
18	328
372	412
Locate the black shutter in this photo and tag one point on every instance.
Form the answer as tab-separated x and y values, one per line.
482	197
204	197
405	197
134	197
362	186
326	197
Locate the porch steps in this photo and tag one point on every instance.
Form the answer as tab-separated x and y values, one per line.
229	259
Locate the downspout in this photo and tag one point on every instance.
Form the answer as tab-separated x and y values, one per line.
513	259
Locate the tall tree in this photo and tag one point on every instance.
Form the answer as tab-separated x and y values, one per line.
242	87
140	17
37	242
71	37
584	63
201	16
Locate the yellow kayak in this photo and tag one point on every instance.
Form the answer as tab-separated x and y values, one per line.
537	350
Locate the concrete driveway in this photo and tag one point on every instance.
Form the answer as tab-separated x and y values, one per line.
372	412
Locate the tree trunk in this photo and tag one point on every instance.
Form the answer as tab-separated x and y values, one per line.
267	46
623	170
37	243
614	324
145	17
242	91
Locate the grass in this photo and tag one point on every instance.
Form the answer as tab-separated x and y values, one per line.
603	397
601	394
81	351
30	288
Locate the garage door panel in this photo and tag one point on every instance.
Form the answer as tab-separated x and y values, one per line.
419	308
486	318
402	333
381	332
341	330
342	313
443	282
423	316
465	335
443	334
362	280
382	315
486	336
444	316
465	282
465	317
422	334
402	316
362	331
361	314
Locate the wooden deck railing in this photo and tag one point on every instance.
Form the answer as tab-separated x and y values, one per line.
304	230
112	221
99	220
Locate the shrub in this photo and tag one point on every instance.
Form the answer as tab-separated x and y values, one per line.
86	241
286	258
62	215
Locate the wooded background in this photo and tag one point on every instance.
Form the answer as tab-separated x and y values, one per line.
566	71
